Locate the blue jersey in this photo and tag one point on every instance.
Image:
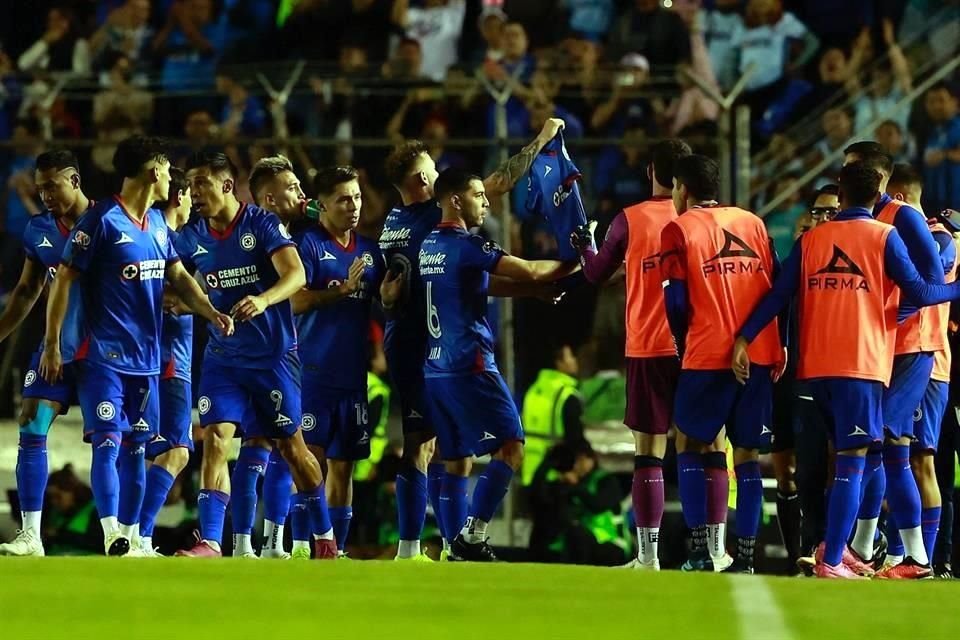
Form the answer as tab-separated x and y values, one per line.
123	264
236	263
176	340
553	192
43	241
334	338
405	336
455	267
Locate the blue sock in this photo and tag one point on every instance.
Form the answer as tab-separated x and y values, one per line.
276	488
133	481
843	507
300	526
903	497
873	487
491	487
316	501
32	471
411	502
243	493
340	518
692	482
453	505
159	482
435	473
749	499
929	525
104	478
894	542
212	509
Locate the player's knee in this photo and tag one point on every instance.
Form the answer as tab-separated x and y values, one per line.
924	468
512	454
175	460
36	419
216	446
458	467
745	455
341	472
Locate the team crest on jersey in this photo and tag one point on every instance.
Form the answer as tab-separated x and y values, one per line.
106	411
309	422
333	284
367	258
30	378
283	231
203	405
248	241
130	271
161	236
212	280
81	239
490	246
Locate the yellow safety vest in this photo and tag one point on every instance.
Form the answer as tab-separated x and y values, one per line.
543	417
376	389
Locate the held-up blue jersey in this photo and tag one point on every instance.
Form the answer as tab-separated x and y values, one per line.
334	338
234	264
43	241
553	192
123	265
405	336
455	266
176	340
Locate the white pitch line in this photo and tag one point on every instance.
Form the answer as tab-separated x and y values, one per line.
758	611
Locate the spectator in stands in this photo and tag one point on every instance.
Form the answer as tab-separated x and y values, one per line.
590	19
836	80
376	20
126	31
837	129
189	43
626	100
515	69
781	223
436	135
654	32
201	133
837	23
694	111
9	95
941	157
60	48
20	199
120	96
619	176
242	113
406	63
889	85
542	21
577	83
437	26
491	23
721	27
897	141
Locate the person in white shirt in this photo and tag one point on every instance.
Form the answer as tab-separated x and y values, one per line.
766	41
437	26
59	49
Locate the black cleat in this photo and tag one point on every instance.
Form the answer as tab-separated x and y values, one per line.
472	552
740	566
943	571
119	547
699	560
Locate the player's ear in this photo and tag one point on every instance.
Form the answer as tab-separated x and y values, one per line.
228	185
423	178
75	180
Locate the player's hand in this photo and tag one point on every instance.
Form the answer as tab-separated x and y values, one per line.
741	360
549	292
777	372
354	276
391	289
224	323
248	308
934	157
550	128
582	237
51	364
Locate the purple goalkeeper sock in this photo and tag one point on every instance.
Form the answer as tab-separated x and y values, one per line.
693	490
717	486
491	487
749	498
894	541
873	487
844	503
929	525
340	517
453	505
300	525
133	480
316	501
435	473
159	482
411	502
212	509
250	464
104	478
31	471
903	497
276	488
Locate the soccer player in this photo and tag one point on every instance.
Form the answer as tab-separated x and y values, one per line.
849	269
251	269
58	182
412	172
170	450
717	262
468	402
344	273
652	365
888	468
906	185
119	255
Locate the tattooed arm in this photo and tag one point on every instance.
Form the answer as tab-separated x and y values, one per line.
508	173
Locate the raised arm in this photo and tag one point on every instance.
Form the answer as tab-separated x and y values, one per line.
916	289
507	174
600	265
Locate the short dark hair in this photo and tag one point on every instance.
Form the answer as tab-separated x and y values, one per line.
267	169
453	181
178	185
58	159
328	178
700	175
859	184
873	154
891	123
135	152
943	86
905	175
828	190
401	160
663	156
216	161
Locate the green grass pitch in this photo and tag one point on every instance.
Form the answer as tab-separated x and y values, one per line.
108	598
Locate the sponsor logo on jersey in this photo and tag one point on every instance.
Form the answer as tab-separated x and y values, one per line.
282	421
145	269
857	431
327	256
106	411
199	252
203	405
432	264
45	243
124	238
130	271
81	239
841	273
395	238
141	425
309	422
283	231
490	247
487	436
248	241
211	280
233	277
364	439
546	170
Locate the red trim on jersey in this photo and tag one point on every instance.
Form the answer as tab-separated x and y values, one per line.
351	245
479	366
142	225
62	228
169	371
83	350
226	233
451	224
